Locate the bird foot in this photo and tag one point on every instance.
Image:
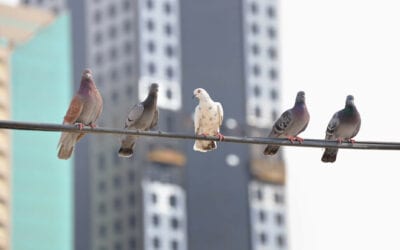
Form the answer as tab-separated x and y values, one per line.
340	140
79	125
220	136
350	140
92	125
292	139
204	134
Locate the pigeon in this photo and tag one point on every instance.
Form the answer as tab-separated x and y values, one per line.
344	125
208	118
291	123
84	109
142	116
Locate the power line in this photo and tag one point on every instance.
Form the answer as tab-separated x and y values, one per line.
315	143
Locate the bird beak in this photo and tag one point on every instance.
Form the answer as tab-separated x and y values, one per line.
88	75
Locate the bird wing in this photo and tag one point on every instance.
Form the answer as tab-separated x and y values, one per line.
220	112
332	126
282	123
134	115
154	122
196	119
74	110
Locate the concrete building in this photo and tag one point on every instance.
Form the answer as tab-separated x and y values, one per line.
167	196
35	76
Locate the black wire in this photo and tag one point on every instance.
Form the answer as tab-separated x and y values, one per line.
315	143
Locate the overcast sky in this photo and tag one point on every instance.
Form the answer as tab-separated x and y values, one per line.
331	49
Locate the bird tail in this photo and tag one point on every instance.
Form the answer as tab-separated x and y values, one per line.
271	150
329	155
67	143
127	145
204	146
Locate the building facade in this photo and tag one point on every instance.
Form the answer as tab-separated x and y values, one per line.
168	196
36	193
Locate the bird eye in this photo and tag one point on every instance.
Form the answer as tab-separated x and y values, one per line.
198	91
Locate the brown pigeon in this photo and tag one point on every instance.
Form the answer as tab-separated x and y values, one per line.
142	116
84	109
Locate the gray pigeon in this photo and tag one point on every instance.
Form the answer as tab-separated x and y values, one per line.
344	125
208	117
142	116
84	109
291	123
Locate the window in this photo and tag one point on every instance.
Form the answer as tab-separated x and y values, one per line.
111	11
279	219
172	201
97	16
254	28
168	29
113	53
271	32
131	176
117	226
257	112
253	8
155	220
154	198
274	96
280	240
260	195
127	25
151	47
272	53
150	4
102	230
150	25
167	8
262	216
98	37
151	68
131	199
169	72
102	208
156	242
256	70
112	32
117	203
132	221
132	244
174	245
273	74
257	91
271	12
102	186
255	49
263	238
169	51
128	47
174	223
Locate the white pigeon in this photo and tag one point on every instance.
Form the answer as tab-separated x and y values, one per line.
208	118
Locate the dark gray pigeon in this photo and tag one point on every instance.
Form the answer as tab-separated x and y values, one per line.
344	125
142	116
291	123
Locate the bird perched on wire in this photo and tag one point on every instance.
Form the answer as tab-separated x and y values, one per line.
208	118
84	109
344	125
142	116
291	123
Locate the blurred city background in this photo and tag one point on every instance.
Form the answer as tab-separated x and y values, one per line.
167	196
252	56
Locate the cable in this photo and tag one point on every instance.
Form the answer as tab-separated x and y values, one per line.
314	143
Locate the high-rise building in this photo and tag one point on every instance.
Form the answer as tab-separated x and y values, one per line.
168	196
35	79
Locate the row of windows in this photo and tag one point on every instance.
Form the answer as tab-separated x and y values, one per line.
263	217
271	52
113	32
169	49
158	244
117	204
174	222
264	239
167	7
278	197
172	200
256	71
270	31
111	11
119	246
169	72
117	227
167	27
269	10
